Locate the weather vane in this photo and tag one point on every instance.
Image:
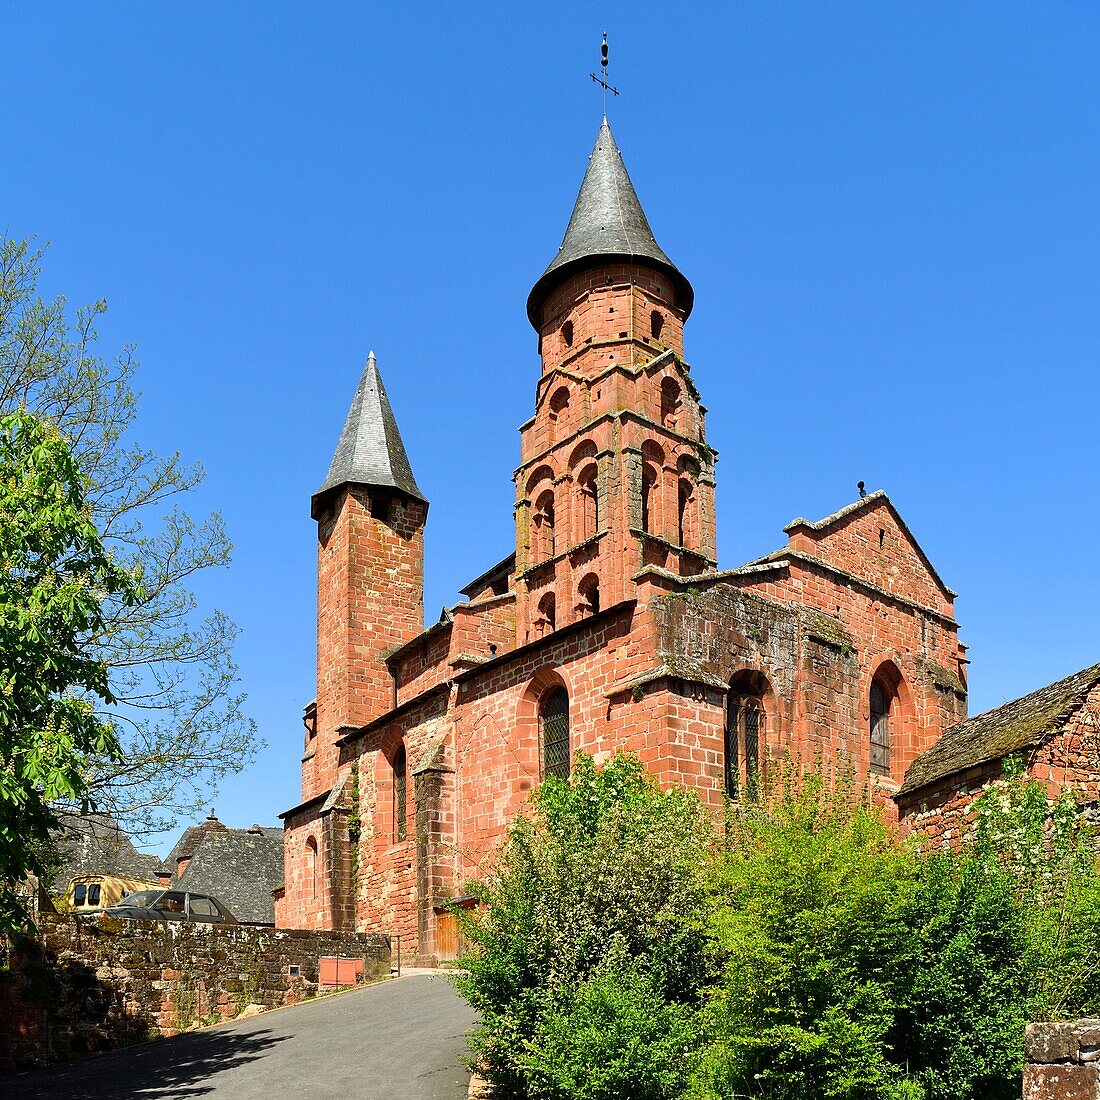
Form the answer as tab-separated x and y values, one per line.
602	78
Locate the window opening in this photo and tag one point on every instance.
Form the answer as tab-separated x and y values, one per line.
590	595
743	734
670	402
590	504
649	484
733	757
547	613
544	525
554	728
381	507
683	516
880	729
80	892
656	323
400	808
93	893
567	333
311	865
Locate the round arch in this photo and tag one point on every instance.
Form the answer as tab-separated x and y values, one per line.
888	720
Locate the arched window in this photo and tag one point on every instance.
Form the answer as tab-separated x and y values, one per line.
559	406
685	499
311	865
744	735
589	590
544	526
400	789
589	511
670	402
656	323
880	728
546	621
554	733
649	499
567	333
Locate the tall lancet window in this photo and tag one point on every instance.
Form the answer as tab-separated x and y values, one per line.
554	732
400	795
880	729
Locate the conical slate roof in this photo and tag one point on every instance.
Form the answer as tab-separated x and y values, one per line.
608	223
370	451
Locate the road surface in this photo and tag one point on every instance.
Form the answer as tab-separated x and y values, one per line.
399	1040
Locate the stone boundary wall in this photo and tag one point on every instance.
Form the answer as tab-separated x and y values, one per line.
1063	1061
86	985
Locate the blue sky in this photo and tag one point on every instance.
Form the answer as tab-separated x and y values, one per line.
889	212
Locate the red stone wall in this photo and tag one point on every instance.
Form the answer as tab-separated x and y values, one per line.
870	543
370	598
1062	1061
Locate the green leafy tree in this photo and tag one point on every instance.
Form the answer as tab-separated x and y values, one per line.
810	913
177	707
959	984
1047	846
56	577
590	950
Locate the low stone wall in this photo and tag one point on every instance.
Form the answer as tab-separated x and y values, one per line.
1063	1061
84	985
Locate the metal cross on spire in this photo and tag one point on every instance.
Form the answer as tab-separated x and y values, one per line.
602	78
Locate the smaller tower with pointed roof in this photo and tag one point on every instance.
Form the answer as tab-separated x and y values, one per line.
370	517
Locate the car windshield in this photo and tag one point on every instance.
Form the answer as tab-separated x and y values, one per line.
142	898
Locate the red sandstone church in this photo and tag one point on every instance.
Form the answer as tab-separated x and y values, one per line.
611	626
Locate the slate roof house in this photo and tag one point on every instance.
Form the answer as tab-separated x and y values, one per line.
1055	731
94	844
241	867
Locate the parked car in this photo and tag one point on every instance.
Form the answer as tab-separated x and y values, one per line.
164	904
92	893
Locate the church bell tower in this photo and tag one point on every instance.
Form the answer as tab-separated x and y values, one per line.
616	473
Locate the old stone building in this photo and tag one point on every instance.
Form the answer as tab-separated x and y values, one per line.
610	627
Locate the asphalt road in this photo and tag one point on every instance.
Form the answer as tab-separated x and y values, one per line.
400	1040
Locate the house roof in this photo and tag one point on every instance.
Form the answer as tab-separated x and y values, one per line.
189	841
93	844
501	569
370	450
607	223
241	868
1002	731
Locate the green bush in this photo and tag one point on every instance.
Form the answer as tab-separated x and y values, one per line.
959	983
615	1036
593	928
623	952
810	914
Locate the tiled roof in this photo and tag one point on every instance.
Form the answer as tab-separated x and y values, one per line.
608	223
1000	732
93	844
370	451
189	841
240	867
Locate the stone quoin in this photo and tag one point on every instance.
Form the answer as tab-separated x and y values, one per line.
609	628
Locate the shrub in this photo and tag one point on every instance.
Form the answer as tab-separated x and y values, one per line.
811	901
960	983
592	937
